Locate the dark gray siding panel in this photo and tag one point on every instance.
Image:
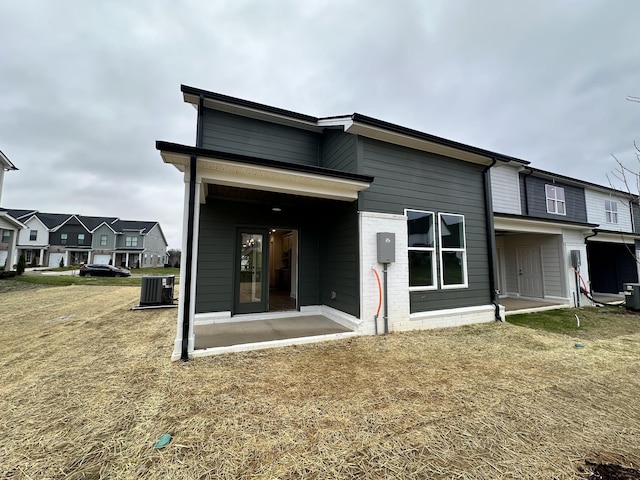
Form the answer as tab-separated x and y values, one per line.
339	151
313	218
535	203
406	178
246	136
340	260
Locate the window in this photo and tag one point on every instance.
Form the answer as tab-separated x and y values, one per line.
131	241
33	235
611	211
80	238
28	256
63	239
421	243
453	251
6	235
555	199
103	240
450	247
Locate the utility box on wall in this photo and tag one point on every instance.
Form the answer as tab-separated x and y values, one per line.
575	259
386	247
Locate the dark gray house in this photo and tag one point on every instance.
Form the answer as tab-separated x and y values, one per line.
282	211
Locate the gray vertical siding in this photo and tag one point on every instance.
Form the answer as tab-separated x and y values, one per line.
340	259
247	136
322	269
536	199
339	151
406	178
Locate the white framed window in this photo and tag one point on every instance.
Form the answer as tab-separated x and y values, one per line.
33	235
453	251
131	241
63	239
80	238
555	199
103	240
611	211
422	250
6	235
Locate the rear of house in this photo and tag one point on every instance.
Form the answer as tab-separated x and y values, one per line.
282	212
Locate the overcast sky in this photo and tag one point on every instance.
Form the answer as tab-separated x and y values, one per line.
86	88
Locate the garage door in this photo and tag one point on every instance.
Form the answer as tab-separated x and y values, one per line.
3	257
54	259
101	259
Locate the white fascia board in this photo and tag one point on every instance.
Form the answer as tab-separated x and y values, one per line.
416	143
257	177
252	113
611	237
534	226
31	218
57	227
103	223
344	122
5	217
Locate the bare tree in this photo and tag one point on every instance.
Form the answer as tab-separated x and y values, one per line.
174	257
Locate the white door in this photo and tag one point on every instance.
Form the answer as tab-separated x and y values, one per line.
101	259
54	259
3	257
530	271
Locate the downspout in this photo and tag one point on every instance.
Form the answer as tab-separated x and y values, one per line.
184	356
526	193
491	239
595	232
189	260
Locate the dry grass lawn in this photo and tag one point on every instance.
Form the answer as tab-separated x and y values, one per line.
86	387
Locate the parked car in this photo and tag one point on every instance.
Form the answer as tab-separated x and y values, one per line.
103	271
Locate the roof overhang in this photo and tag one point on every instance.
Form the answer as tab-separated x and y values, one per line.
355	123
258	174
613	237
518	224
10	223
5	163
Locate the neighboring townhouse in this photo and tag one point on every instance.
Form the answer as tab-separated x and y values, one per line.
556	234
49	239
139	244
9	226
282	214
33	240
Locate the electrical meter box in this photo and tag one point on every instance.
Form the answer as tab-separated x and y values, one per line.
575	259
386	247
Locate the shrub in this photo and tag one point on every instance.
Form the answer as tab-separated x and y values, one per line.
21	264
61	265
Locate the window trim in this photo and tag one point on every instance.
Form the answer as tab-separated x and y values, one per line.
434	265
33	235
129	241
463	250
104	239
64	239
611	214
554	199
81	241
6	236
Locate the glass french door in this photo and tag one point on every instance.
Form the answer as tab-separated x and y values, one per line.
252	272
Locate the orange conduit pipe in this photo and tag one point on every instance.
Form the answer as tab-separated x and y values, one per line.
375	318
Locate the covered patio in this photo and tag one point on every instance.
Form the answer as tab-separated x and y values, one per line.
277	331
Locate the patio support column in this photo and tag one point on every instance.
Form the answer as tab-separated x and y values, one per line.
12	250
41	257
126	259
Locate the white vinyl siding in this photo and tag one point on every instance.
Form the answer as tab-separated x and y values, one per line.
596	210
505	189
